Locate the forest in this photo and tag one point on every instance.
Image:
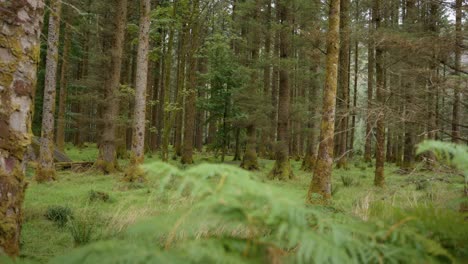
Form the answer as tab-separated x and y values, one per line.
233	131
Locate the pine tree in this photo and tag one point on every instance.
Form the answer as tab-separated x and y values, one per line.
282	167
320	186
45	170
107	159
138	134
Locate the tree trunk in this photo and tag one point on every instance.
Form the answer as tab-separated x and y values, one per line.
46	170
308	164
250	160
320	186
166	89
343	78
138	134
17	82
107	158
60	140
191	95
355	85
457	91
282	167
370	90
379	179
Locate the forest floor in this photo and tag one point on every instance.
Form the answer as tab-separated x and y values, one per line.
115	205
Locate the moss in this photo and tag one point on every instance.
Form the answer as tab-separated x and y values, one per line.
45	174
107	167
308	164
250	161
134	173
12	188
281	170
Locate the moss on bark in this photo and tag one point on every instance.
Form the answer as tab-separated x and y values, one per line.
45	174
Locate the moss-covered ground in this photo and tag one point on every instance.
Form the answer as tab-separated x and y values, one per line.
126	204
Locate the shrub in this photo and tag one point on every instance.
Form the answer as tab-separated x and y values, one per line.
60	215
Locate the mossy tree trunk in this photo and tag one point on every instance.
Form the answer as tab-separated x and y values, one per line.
282	167
379	178
343	83
107	158
138	133
20	30
61	115
320	186
250	160
45	170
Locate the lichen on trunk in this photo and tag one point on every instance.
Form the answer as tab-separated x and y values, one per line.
19	54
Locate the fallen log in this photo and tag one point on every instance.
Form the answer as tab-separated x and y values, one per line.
74	165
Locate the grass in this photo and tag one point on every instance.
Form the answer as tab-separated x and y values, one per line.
42	239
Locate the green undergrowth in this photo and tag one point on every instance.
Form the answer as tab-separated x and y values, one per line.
219	213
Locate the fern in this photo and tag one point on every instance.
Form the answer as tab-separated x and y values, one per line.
230	217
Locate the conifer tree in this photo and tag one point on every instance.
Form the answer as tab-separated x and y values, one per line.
320	186
46	169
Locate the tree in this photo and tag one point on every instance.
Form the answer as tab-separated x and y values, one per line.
457	93
191	93
379	179
60	138
370	91
20	31
107	159
45	170
343	85
138	134
321	181
282	167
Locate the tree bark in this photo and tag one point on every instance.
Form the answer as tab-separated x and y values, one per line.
379	178
343	83
282	167
457	91
46	170
107	158
166	89
191	96
20	30
250	159
61	115
138	134
308	164
320	186
355	85
370	90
